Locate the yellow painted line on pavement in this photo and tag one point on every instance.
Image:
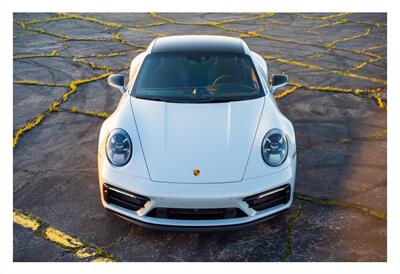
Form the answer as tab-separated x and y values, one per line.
61	238
25	220
100	114
286	92
75	246
39	83
324	18
379	101
73	87
333	43
320	68
102	260
27	127
85	253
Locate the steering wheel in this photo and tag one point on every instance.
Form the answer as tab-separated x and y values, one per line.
227	78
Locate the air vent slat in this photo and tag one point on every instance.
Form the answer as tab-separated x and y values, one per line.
268	199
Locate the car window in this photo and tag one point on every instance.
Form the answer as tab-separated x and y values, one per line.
197	77
263	77
135	65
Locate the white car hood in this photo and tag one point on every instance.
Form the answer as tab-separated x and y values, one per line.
214	138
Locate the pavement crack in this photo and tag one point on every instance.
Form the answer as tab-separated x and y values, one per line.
343	204
61	255
34	172
91	113
73	87
378	136
118	240
374	92
321	68
290	238
333	43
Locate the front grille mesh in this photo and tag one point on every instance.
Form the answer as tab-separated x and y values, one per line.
196	214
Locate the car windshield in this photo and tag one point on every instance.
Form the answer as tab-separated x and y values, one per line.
197	77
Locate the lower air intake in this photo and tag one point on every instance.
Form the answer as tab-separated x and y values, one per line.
270	198
123	198
196	214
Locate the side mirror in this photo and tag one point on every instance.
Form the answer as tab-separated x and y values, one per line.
117	81
278	81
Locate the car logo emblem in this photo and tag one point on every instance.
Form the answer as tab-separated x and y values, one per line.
196	172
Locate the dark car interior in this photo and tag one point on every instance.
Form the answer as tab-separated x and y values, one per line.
166	70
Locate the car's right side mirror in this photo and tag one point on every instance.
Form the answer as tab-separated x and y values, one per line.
278	81
117	81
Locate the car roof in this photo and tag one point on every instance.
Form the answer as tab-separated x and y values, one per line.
213	43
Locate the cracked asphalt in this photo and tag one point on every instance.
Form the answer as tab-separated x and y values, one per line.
336	100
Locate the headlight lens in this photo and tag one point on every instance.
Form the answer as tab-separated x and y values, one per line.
274	147
119	147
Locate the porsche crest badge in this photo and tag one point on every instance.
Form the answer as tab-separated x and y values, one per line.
196	172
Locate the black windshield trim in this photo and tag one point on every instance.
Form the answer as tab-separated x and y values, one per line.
200	102
217	101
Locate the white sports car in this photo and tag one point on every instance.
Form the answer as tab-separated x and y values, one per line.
197	141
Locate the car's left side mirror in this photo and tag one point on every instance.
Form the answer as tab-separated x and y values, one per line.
278	81
117	81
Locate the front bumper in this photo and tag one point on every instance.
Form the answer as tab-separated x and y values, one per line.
197	196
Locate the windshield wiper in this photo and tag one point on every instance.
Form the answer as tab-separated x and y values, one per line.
220	100
189	100
160	99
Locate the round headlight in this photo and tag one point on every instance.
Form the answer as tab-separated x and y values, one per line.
119	147
274	147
